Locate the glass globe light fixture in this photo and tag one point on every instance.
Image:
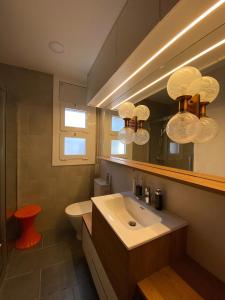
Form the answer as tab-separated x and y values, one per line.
209	130
126	135
142	112
183	127
180	80
207	87
141	136
126	110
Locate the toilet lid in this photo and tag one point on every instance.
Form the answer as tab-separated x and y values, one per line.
79	209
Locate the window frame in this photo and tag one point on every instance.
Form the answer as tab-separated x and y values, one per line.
107	135
60	131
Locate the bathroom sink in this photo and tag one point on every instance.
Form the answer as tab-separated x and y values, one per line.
133	222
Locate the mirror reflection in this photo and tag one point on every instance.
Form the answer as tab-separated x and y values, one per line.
155	140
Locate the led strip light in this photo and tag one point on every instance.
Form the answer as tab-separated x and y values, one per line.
167	45
218	44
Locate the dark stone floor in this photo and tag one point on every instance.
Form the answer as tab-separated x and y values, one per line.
53	270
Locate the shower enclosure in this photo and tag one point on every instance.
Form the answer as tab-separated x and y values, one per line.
8	175
3	245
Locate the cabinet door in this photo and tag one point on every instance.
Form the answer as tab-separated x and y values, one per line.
102	283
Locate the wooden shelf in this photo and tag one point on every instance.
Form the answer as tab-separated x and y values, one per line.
215	183
185	279
166	284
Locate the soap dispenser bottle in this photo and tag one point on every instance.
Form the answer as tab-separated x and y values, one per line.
158	199
139	187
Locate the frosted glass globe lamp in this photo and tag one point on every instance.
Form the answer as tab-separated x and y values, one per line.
207	87
141	136
126	135
209	130
126	110
142	112
183	127
180	80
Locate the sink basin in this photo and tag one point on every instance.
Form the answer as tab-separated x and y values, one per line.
133	222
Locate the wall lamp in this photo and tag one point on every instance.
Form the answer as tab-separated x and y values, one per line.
194	93
134	118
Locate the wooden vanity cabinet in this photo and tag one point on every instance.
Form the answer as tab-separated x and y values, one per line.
125	267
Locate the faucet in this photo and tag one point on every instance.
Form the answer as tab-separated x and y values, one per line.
147	195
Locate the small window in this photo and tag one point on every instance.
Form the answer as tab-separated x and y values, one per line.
117	123
75	118
174	148
74	146
117	148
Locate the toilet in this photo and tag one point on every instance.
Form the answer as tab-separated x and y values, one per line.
76	211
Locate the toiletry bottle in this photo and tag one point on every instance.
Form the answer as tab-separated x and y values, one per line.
139	188
108	179
134	183
158	199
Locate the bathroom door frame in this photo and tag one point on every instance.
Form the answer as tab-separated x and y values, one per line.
3	246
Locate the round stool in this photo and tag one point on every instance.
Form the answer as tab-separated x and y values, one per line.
29	236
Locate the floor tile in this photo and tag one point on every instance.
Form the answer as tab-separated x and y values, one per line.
22	263
52	237
86	291
38	259
53	270
82	271
58	277
66	294
25	287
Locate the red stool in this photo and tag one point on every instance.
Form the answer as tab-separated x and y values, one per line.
29	236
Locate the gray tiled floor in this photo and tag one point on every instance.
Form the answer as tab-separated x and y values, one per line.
53	270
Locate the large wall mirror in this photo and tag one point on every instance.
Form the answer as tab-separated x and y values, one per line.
208	157
202	48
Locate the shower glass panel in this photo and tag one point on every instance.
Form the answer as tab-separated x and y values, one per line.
3	247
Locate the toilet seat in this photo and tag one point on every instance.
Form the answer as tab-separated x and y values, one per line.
79	209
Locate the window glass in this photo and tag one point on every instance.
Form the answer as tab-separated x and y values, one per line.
117	148
174	148
75	118
117	123
74	146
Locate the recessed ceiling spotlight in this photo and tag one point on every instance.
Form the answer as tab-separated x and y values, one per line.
56	47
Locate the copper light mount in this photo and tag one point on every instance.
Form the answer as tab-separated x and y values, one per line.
192	105
133	123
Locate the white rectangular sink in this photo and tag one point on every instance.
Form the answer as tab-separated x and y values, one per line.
133	222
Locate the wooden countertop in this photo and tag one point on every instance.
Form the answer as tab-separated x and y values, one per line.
166	284
185	280
88	222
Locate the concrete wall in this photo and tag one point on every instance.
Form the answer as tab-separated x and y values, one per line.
203	210
38	182
136	20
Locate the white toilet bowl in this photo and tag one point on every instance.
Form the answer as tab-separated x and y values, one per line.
75	212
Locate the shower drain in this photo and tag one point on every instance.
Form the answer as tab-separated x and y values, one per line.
132	223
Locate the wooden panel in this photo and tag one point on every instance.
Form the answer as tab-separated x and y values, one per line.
125	268
166	284
215	183
87	218
112	254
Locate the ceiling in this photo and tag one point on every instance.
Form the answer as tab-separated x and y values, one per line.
27	26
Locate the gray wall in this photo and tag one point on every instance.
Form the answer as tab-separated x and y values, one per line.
136	20
203	210
38	182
